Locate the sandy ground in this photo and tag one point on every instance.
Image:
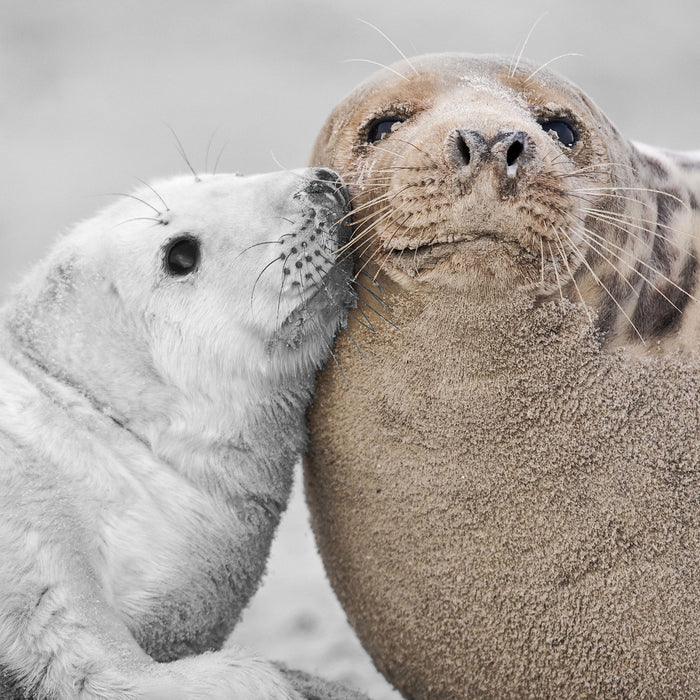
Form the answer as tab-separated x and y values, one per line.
88	87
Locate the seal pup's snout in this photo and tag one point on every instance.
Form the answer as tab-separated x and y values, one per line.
329	198
328	182
316	264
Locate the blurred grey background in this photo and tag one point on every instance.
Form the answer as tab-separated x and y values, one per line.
88	86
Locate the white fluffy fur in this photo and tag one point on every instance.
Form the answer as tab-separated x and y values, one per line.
148	429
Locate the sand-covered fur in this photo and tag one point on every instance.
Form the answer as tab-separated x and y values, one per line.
506	495
154	372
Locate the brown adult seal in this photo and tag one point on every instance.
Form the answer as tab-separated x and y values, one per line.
506	494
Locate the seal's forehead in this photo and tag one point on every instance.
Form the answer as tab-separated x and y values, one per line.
423	77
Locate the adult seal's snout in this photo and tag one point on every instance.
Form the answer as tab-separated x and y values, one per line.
467	151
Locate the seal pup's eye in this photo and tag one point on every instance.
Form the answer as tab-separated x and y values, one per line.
380	128
563	129
182	256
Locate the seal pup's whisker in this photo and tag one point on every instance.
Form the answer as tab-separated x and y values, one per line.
285	271
207	152
376	313
134	197
139	218
155	192
257	245
354	342
218	157
183	154
375	295
257	279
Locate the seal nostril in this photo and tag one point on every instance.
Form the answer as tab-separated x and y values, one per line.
514	151
463	150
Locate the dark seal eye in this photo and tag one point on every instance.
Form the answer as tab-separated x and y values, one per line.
566	134
381	128
182	256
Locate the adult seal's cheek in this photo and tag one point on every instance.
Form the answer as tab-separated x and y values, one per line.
505	493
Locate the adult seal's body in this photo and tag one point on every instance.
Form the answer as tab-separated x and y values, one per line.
154	372
506	495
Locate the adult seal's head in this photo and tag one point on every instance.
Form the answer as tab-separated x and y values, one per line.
473	173
506	495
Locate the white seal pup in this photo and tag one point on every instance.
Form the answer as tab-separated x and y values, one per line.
154	373
506	496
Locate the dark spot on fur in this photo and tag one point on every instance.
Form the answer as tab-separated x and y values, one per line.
660	306
41	597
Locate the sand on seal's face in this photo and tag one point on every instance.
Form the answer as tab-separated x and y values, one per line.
506	496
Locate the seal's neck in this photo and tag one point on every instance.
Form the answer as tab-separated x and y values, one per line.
235	439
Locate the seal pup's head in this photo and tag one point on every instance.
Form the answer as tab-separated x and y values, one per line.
190	293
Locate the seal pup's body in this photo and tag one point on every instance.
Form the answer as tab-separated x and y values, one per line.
154	372
518	457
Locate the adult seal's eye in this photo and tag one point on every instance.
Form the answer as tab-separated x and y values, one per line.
182	256
381	128
564	130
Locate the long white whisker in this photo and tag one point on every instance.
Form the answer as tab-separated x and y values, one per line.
602	286
376	63
400	52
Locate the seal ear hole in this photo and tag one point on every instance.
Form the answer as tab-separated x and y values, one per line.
182	256
563	129
382	127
